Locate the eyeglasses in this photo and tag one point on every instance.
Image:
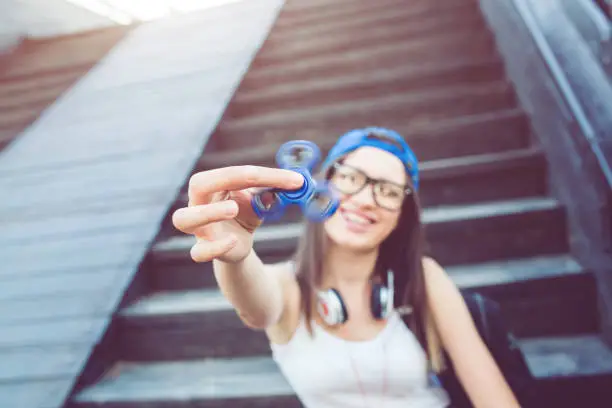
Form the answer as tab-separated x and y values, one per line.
350	180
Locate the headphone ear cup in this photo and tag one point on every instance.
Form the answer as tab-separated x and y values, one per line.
376	301
331	308
381	301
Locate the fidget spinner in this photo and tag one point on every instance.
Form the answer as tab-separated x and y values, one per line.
315	198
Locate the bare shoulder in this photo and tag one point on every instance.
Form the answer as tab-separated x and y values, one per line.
444	298
437	279
448	308
282	332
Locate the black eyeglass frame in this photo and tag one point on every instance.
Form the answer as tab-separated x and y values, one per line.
369	180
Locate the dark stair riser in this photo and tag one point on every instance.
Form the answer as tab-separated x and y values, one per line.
487	135
198	335
553	306
548	315
423	52
399	80
589	391
495	180
370	37
222	334
184	274
501	237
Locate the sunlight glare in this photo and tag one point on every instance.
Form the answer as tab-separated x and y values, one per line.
129	11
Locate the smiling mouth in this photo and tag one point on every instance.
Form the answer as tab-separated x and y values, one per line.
356	219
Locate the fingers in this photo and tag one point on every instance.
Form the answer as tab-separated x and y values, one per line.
205	251
203	184
188	219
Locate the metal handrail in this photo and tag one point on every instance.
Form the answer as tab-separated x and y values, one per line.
562	82
594	25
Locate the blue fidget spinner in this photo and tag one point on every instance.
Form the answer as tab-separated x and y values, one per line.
315	198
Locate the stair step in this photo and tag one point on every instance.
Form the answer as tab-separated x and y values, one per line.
366	84
360	21
253	382
487	231
418	51
468	179
571	371
367	37
202	323
424	106
495	131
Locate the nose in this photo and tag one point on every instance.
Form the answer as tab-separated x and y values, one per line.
365	196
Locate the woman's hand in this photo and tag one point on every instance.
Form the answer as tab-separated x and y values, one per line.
219	213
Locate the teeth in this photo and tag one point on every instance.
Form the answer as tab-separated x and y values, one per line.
356	219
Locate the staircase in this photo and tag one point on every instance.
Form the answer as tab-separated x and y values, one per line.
429	70
39	71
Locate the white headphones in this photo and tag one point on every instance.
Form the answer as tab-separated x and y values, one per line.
333	311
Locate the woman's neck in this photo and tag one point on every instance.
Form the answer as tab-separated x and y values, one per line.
349	270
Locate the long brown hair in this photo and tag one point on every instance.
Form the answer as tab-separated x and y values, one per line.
402	252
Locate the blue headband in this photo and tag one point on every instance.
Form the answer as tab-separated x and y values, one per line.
372	136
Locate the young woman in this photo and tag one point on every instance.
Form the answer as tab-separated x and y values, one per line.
332	314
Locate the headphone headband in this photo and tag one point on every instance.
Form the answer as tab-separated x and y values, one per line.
391	291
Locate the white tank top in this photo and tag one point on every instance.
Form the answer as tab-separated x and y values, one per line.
386	372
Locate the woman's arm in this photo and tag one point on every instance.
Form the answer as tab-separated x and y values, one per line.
254	289
474	365
265	296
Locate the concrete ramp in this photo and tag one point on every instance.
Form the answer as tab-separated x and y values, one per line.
86	187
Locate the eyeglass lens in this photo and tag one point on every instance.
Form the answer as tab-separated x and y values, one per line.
349	180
